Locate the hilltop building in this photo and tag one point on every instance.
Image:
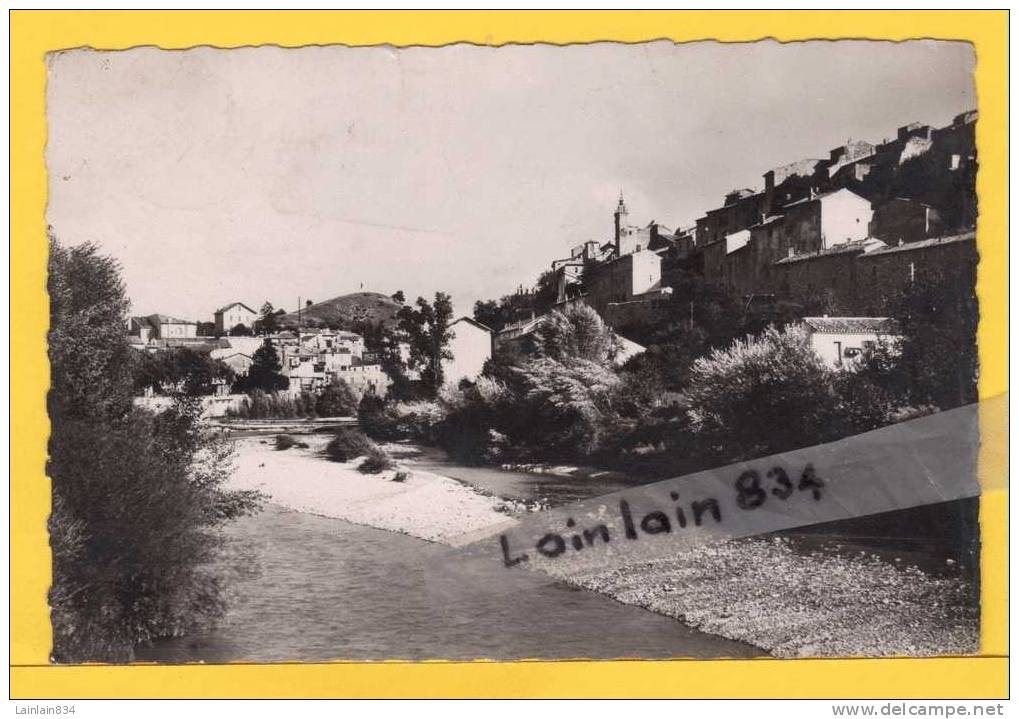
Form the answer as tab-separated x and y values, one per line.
233	314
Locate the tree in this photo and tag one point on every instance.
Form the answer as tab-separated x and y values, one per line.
308	303
180	370
575	333
89	359
398	296
240	330
206	329
264	373
267	318
138	498
937	313
427	330
567	405
492	314
336	400
765	394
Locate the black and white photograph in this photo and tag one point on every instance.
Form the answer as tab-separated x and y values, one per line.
595	351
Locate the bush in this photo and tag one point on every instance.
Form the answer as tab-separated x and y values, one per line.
376	461
275	405
336	400
284	441
120	491
401	476
348	444
389	421
765	394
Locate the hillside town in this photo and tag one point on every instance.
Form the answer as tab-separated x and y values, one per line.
842	234
833	238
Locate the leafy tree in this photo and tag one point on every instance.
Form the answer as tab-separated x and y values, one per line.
575	333
265	371
206	329
308	303
180	370
936	313
240	330
496	314
138	498
427	331
336	400
492	314
89	359
568	405
765	394
398	296
267	318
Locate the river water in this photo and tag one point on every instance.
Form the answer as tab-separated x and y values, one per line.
550	489
307	588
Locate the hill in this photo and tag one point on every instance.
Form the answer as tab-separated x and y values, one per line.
345	311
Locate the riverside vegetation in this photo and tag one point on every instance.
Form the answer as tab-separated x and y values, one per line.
138	498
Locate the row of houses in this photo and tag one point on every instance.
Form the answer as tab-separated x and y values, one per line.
846	232
313	358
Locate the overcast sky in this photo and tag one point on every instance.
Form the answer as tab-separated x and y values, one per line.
267	173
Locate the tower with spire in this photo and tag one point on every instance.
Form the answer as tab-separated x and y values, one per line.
621	218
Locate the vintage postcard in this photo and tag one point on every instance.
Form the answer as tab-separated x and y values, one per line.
596	351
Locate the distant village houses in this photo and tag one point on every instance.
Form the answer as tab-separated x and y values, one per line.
855	227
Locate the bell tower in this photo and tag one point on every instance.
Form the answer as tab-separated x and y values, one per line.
621	217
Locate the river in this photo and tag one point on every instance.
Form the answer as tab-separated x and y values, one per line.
307	588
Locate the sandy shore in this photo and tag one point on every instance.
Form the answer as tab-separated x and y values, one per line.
425	505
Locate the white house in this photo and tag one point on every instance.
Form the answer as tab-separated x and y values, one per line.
841	341
471	347
233	314
162	327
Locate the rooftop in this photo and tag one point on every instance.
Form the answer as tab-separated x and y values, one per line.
852	325
921	244
224	308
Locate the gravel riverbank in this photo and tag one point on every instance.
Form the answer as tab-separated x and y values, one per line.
820	604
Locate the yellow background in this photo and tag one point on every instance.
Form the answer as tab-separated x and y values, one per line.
33	33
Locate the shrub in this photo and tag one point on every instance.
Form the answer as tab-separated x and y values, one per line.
336	400
765	394
391	421
348	444
284	441
376	461
401	476
263	405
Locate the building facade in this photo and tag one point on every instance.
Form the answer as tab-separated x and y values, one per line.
470	347
233	314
